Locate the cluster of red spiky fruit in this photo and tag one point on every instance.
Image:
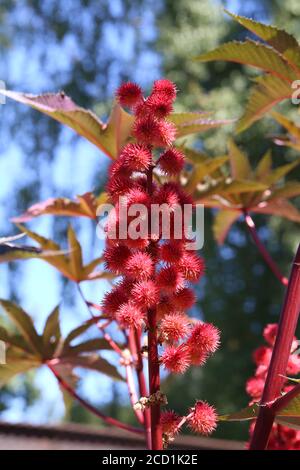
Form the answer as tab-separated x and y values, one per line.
281	438
156	273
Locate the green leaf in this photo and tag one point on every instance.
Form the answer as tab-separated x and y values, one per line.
280	207
75	254
93	362
240	166
94	344
84	206
252	53
280	172
10	370
288	124
222	224
268	91
200	125
201	170
264	166
292	409
289	190
282	41
106	136
244	415
24	324
243	186
51	334
78	331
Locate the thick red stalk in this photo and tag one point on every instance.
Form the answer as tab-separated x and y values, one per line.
278	365
92	409
153	360
263	251
154	380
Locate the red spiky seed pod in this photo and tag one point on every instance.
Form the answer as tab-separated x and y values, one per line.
183	299
203	418
145	294
171	251
169	279
159	105
115	258
166	87
192	266
151	131
135	157
171	162
270	333
139	266
169	421
129	94
176	359
115	298
129	316
204	338
174	326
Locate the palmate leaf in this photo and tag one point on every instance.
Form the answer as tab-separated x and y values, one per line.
223	221
239	162
279	58
202	170
282	41
32	350
252	53
106	136
268	91
262	192
83	206
69	262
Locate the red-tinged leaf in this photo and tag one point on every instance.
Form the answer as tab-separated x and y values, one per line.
240	166
280	207
244	415
93	362
282	41
264	166
76	264
84	206
24	324
268	91
292	422
106	136
51	335
223	222
289	190
280	172
252	53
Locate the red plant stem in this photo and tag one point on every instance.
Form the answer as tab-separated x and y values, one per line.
153	360
92	409
280	355
263	251
283	401
142	386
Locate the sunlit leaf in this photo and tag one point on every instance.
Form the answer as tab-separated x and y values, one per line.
93	362
282	41
252	53
240	166
223	222
84	206
51	334
24	324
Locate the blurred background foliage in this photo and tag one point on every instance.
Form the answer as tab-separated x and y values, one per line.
86	48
